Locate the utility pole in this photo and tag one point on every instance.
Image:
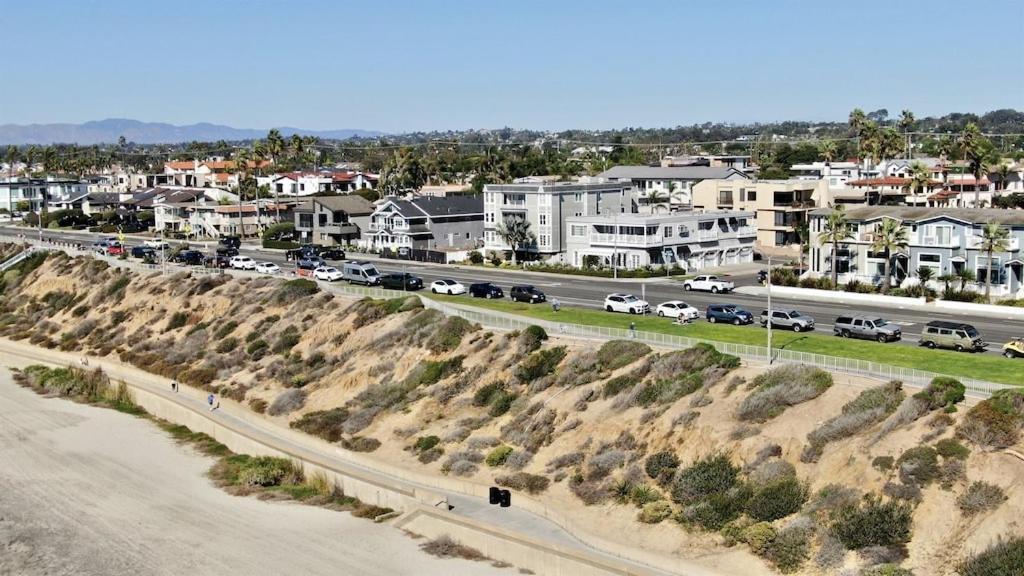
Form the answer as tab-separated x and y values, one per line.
771	356
615	246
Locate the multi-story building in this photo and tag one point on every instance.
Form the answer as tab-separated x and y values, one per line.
946	240
740	162
427	223
674	184
32	193
545	207
779	205
333	220
837	174
690	240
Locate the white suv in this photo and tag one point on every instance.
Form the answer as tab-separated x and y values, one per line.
327	273
626	303
242	263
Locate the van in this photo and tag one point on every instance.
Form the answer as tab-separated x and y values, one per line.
360	273
956	335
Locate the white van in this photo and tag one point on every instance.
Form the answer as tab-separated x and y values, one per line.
360	273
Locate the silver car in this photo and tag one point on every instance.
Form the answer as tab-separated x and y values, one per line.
791	319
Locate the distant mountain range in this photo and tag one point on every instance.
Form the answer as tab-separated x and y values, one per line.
108	131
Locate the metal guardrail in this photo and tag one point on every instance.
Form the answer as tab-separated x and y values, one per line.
15	260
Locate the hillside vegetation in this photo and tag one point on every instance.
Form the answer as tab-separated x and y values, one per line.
685	452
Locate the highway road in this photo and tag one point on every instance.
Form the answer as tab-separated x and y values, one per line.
590	292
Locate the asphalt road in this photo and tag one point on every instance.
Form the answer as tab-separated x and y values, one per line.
590	292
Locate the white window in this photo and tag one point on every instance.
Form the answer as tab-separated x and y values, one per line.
542	219
577	230
667	231
933	261
544	240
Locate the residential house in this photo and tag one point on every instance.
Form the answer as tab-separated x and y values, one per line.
212	172
780	206
740	162
546	206
37	191
837	174
946	240
333	220
88	202
427	223
691	240
672	185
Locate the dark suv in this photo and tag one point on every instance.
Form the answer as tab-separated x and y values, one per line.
332	254
217	261
401	281
485	290
729	313
231	242
527	294
189	257
143	251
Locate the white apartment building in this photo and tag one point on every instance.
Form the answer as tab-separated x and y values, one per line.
36	191
674	184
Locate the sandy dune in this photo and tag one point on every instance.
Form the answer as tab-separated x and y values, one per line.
86	490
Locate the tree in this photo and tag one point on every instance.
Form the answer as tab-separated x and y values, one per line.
857	120
889	237
241	158
925	274
803	231
827	150
658	198
835	231
920	179
974	145
964	275
275	145
516	233
906	123
12	156
1003	171
994	238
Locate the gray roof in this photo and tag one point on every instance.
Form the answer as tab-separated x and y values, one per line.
669	173
915	214
348	203
438	206
105	198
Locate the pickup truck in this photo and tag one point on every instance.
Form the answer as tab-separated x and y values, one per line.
872	328
708	284
156	244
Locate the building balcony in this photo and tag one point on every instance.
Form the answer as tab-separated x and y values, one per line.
746	231
975	243
951	242
625	240
707	235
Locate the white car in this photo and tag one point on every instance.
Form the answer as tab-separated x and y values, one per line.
268	268
242	263
707	283
157	244
446	286
328	273
677	309
626	303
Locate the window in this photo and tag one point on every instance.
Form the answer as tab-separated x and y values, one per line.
933	261
322	219
752	196
998	272
544	239
667	231
543	219
725	197
577	230
305	220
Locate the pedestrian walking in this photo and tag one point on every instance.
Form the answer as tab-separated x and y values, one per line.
209	400
632	329
555	304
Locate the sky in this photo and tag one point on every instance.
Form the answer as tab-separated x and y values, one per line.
400	66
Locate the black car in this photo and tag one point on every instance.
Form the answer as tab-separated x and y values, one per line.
485	290
401	281
228	252
143	252
527	294
230	242
333	254
728	313
217	261
189	257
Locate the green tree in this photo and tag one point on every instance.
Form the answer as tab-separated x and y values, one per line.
276	145
925	274
516	233
835	230
857	120
994	238
906	124
920	179
889	237
803	232
974	146
964	275
1003	172
827	150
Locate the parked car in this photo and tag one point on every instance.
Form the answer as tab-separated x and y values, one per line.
791	319
142	252
485	290
327	273
230	242
332	254
626	303
267	268
956	335
311	262
1014	348
872	328
677	309
217	261
189	257
527	293
242	263
156	244
728	313
401	281
228	252
447	286
360	273
708	283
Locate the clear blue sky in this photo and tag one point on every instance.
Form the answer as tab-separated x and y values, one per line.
439	64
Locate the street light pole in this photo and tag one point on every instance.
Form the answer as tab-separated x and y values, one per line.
769	278
615	246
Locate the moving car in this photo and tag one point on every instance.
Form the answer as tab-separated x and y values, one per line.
626	303
242	263
143	252
227	252
791	319
677	309
189	257
230	242
327	273
401	281
728	313
707	283
956	335
360	272
447	286
527	293
872	328
156	244
1014	348
332	254
485	290
267	268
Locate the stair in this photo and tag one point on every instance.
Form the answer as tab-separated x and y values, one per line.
15	260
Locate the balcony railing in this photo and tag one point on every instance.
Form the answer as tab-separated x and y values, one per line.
974	242
706	235
746	231
624	239
951	242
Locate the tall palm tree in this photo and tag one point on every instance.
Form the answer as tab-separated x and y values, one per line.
857	119
516	233
803	231
994	238
890	237
920	179
964	275
835	231
973	144
827	150
275	145
1003	171
12	156
906	123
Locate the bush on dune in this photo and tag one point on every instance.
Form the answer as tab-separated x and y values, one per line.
782	387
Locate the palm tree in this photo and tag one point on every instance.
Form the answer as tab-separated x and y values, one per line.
275	145
964	275
889	237
994	238
945	279
827	150
835	231
298	145
919	179
662	197
857	119
906	123
516	233
241	166
12	157
803	231
925	274
1003	171
973	144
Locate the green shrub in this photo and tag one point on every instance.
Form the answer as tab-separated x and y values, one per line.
225	329
616	385
286	340
918	465
327	424
449	334
227	345
264	471
942	392
778	388
487	393
995	422
659	463
294	290
199	377
424	443
873	522
711	475
950	448
257	349
777	499
886	570
655	512
1003	558
431	372
526	482
615	354
789	549
177	320
258	405
715	510
883	463
532	337
759	537
118	285
540	363
644	494
980	497
868	408
498	456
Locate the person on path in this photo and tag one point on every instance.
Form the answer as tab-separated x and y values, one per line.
209	400
632	329
555	304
